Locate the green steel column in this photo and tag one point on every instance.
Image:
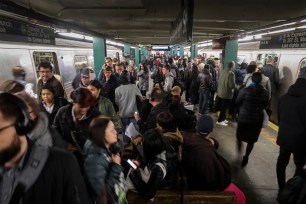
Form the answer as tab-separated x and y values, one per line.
174	51
181	52
231	50
137	57
194	51
99	46
127	52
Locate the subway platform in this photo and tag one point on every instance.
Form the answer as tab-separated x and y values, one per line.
258	179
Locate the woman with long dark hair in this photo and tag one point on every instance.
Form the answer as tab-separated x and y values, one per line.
104	105
251	100
102	165
148	177
143	78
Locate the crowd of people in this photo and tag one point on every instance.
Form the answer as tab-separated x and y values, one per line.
55	151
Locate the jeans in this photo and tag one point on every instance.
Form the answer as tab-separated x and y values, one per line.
282	162
125	123
204	100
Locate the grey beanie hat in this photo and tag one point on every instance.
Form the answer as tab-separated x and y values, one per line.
302	73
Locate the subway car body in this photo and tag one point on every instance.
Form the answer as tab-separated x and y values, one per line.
66	57
289	62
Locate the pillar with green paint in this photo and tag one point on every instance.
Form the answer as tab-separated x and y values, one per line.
137	56
127	52
231	50
194	51
181	52
99	46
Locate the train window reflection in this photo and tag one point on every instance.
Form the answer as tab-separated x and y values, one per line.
80	61
46	57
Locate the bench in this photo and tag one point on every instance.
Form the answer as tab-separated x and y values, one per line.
190	197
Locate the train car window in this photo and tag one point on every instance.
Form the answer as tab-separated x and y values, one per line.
274	56
118	56
302	64
46	57
79	62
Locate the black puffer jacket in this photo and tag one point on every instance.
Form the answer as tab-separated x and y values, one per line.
250	105
291	118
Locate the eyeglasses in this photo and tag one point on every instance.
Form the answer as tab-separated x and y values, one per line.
44	72
85	77
1	129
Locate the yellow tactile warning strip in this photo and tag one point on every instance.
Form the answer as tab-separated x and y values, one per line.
273	126
268	135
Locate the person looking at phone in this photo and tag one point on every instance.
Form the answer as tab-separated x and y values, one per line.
102	165
147	179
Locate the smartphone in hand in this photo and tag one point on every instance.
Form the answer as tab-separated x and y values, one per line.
132	164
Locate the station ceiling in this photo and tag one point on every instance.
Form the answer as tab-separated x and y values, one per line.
148	22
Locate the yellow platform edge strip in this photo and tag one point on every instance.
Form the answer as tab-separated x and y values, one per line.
273	126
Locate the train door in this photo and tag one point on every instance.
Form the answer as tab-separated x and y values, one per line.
263	58
80	61
301	65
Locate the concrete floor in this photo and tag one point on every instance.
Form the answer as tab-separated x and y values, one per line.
258	179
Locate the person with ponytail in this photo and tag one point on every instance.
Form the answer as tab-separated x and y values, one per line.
251	100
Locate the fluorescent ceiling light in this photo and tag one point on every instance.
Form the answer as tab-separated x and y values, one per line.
280	31
257	36
301	27
132	47
246	38
76	36
282	25
114	43
303	20
88	38
72	35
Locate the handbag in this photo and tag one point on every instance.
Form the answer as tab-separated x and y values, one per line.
145	174
265	122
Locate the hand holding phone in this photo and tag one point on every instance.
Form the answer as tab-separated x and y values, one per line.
132	164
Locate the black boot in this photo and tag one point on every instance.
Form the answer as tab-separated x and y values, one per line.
245	161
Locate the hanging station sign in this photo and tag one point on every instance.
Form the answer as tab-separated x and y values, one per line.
288	40
181	28
18	31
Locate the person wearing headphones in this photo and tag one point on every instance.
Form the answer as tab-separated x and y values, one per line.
31	173
156	100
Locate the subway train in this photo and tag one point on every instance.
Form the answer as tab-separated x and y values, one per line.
66	56
289	62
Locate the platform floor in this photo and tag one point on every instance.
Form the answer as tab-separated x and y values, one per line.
258	179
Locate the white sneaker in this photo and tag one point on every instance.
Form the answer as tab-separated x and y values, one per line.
225	121
221	123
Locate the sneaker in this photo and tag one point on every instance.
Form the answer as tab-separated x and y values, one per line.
221	123
225	121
